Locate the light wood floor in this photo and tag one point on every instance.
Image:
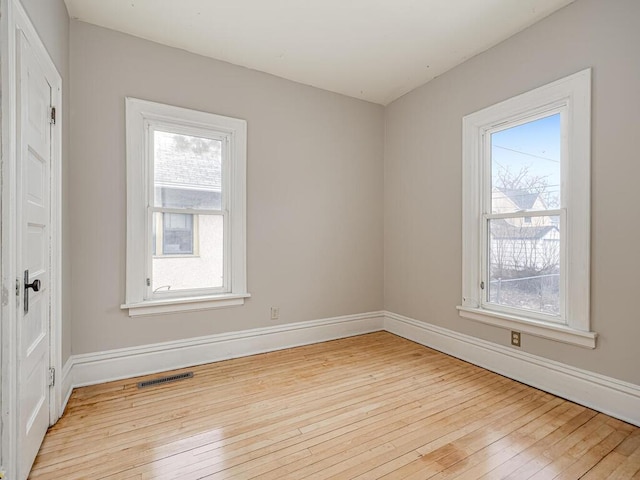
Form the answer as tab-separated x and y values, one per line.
373	406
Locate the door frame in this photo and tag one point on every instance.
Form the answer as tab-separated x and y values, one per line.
14	19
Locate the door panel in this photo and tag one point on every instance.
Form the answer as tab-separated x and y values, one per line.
34	170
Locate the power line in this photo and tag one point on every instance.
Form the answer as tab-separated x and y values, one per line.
527	154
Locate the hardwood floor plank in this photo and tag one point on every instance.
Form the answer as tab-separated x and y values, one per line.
594	455
629	449
328	453
330	448
371	406
564	453
438	457
315	437
195	407
119	444
483	457
575	417
605	466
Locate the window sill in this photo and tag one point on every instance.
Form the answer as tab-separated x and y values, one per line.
184	304
560	333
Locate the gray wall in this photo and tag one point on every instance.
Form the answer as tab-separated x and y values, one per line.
423	177
51	21
315	190
315	182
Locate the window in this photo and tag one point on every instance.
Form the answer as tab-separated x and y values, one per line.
174	234
526	184
185	209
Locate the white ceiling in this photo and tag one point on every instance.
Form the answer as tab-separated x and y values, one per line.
376	50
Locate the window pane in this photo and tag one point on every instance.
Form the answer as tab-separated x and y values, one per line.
204	269
524	263
187	171
177	234
525	166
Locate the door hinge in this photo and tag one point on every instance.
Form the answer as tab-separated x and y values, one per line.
52	118
148	282
482	285
17	287
52	377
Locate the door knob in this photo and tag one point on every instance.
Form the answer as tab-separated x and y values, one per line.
35	285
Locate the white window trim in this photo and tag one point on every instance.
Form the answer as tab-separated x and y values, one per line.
139	113
573	94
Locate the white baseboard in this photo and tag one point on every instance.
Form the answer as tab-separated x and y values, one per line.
599	392
605	394
100	367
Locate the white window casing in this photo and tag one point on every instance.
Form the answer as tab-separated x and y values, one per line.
571	97
142	118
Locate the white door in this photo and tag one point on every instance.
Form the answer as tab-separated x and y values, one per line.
33	255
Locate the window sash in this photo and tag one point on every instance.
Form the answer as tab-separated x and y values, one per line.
485	247
226	278
524	213
151	126
558	107
486	188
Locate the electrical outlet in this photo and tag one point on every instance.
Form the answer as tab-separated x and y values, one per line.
515	338
275	313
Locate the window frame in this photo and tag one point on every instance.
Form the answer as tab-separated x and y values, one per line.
142	118
571	96
487	215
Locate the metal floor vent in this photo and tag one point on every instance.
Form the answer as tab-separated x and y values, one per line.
163	380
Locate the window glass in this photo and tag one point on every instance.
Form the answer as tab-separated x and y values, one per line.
525	166
523	251
187	171
187	175
524	263
174	271
177	234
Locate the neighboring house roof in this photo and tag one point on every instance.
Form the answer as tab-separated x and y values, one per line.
523	199
182	166
501	229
